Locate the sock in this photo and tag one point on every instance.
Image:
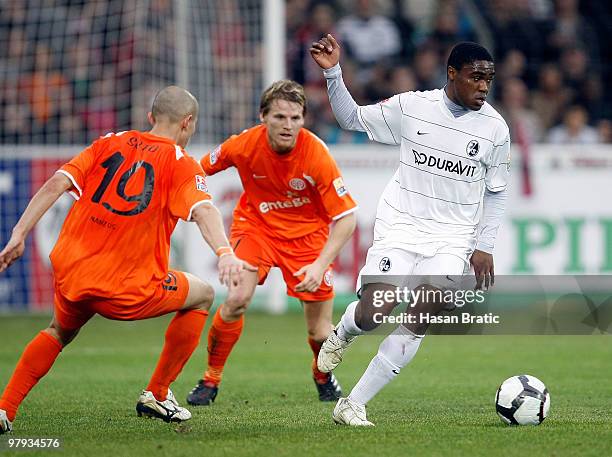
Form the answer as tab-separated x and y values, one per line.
347	328
182	338
37	358
222	337
394	353
319	376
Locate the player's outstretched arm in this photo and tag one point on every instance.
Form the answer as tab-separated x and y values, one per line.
210	223
326	53
39	204
313	273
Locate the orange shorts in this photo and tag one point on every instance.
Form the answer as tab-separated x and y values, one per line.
265	252
169	296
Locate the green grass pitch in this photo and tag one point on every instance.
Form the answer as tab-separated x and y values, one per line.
442	404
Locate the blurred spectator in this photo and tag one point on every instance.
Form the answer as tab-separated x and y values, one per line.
604	131
79	59
368	37
450	26
16	126
321	22
44	87
377	87
551	96
575	128
234	113
593	97
296	11
514	27
73	69
513	65
227	35
100	115
575	65
523	121
571	29
402	80
429	68
14	53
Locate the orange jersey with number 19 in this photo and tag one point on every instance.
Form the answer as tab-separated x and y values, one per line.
286	196
131	189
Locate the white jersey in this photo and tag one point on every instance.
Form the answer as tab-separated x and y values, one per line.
435	199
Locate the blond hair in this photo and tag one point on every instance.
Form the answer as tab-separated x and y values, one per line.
284	89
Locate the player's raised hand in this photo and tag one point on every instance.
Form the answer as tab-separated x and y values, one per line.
313	275
483	269
325	52
12	251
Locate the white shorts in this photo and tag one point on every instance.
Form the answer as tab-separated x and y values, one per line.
402	268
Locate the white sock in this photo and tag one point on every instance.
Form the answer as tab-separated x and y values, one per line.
347	328
394	353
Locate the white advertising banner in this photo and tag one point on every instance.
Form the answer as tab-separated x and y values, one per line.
563	227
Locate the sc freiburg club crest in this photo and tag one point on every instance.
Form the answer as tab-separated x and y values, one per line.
385	264
472	148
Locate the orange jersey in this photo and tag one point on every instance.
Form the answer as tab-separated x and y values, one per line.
131	189
285	195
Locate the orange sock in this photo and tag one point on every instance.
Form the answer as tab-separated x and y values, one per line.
319	376
35	362
182	338
222	337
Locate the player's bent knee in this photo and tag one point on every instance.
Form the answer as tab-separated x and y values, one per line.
201	294
64	336
238	300
318	333
207	296
364	320
365	317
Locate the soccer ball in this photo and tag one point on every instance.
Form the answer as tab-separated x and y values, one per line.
522	400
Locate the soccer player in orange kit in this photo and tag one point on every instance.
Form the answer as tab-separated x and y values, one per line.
111	257
293	190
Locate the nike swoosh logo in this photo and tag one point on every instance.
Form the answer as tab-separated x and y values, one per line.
259	176
422	133
395	371
449	278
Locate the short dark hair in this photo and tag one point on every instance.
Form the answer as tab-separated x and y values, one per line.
283	90
467	52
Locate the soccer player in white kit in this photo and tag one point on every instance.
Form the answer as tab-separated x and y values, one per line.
437	216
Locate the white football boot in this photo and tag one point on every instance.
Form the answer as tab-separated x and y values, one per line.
6	426
330	354
348	412
167	410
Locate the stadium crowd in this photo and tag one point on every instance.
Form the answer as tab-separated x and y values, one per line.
553	72
68	67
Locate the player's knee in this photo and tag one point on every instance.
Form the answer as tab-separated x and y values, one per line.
207	297
238	300
364	320
320	332
62	335
201	294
